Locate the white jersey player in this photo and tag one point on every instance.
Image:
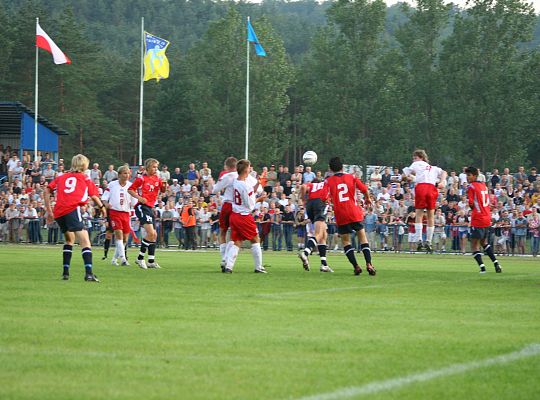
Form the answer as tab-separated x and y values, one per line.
426	177
119	204
242	223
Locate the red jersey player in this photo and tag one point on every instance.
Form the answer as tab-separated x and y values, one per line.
426	178
72	191
480	219
342	189
316	193
146	189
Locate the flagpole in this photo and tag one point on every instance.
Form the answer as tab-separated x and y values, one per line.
142	92
36	101
247	98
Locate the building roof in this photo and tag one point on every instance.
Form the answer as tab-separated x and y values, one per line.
10	119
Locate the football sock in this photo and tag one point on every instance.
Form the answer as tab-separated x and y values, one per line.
87	259
222	250
349	252
322	253
151	251
257	255
418	230
232	253
429	233
142	250
106	246
478	257
66	255
311	244
120	251
125	251
489	252
367	252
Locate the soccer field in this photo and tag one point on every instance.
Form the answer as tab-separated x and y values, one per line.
426	327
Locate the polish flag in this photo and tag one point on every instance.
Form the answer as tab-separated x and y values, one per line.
43	41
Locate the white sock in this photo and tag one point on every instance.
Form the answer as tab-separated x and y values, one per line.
418	230
257	255
222	250
120	251
232	253
429	233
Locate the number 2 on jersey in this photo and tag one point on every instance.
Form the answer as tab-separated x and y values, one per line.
342	191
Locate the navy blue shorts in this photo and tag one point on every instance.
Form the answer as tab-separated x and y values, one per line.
71	222
315	210
350	228
145	214
479	233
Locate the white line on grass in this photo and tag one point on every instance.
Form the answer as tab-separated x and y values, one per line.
303	292
530	350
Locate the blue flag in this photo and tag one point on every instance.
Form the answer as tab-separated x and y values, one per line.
252	38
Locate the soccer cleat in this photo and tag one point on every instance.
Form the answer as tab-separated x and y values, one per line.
91	278
153	265
260	270
371	270
498	268
227	271
114	262
104	257
125	263
141	263
482	270
419	246
65	277
428	248
325	268
357	270
304	259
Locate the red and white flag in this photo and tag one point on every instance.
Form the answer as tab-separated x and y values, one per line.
43	41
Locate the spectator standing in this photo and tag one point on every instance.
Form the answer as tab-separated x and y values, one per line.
287	221
375	178
177	175
205	173
309	176
386	178
520	232
192	174
110	175
95	174
164	174
189	222
49	173
534	228
272	178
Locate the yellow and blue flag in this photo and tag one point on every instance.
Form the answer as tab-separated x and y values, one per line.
252	38
156	64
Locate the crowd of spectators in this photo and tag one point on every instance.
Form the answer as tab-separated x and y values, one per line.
515	201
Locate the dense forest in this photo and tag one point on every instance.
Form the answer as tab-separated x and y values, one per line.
349	77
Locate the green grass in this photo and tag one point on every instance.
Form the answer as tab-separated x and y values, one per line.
189	332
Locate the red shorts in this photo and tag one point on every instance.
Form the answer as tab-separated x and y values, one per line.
120	221
243	227
224	216
425	196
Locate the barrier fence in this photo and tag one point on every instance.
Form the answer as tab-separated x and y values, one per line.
279	236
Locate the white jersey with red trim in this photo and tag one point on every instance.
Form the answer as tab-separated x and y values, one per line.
244	197
225	182
118	197
423	172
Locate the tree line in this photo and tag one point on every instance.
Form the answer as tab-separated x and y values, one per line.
352	78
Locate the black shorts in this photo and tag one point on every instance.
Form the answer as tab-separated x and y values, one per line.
350	228
145	214
71	222
479	233
316	210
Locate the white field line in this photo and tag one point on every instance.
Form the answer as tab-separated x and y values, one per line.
530	350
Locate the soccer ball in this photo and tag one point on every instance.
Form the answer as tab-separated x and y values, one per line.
309	157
